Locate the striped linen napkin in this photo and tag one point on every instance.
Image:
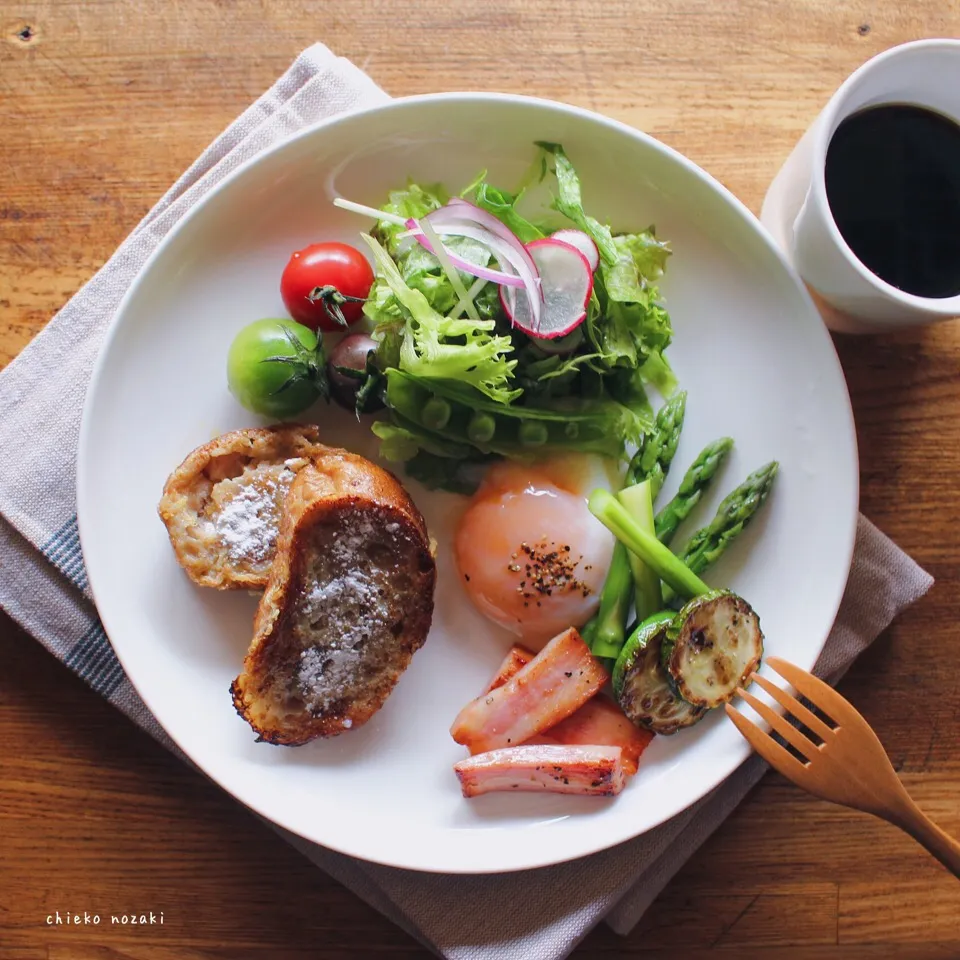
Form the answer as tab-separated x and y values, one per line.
534	915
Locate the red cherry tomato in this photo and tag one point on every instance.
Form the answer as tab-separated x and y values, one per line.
335	275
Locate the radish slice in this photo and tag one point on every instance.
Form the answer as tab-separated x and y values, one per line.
583	242
562	346
567	282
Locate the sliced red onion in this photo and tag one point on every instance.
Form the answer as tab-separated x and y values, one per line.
505	255
505	247
507	280
453	275
459	209
512	266
467	266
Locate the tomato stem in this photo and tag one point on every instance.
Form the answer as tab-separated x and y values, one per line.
332	299
308	366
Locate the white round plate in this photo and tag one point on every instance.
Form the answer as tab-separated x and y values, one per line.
749	347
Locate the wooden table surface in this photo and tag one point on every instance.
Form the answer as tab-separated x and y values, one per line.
102	105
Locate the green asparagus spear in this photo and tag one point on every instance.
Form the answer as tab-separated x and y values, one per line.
589	634
733	514
647	599
655	453
589	631
611	513
611	625
649	465
695	482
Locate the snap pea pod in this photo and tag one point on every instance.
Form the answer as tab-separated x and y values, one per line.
437	464
401	439
450	414
481	428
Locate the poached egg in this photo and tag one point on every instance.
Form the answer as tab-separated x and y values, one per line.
530	555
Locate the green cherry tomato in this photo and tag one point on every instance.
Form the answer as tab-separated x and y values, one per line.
276	368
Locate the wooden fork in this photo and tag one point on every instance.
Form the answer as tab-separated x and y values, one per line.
849	767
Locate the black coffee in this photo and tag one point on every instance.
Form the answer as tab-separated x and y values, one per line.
893	184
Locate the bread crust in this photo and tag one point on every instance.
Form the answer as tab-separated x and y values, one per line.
248	468
339	488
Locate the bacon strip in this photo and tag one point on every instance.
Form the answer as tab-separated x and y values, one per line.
598	721
516	659
589	771
559	679
601	721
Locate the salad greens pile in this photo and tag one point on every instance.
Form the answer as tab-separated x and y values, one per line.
462	385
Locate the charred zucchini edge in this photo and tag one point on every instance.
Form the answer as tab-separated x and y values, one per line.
639	678
707	663
635	643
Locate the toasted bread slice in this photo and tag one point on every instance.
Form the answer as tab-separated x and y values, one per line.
348	603
222	505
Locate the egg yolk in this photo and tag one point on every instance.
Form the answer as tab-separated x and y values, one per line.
530	554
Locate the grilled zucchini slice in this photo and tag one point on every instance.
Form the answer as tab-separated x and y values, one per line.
642	686
711	647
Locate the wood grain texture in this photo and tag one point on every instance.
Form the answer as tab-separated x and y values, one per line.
102	105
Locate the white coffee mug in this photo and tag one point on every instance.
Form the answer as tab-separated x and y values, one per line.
925	73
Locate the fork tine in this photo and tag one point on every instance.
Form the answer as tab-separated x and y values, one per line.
769	749
823	696
794	706
786	730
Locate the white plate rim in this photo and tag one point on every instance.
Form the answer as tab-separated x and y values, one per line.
85	485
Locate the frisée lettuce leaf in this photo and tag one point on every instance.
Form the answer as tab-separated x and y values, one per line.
443	347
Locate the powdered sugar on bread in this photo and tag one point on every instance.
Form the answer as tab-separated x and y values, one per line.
349	601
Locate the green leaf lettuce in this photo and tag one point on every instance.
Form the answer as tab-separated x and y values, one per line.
435	346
